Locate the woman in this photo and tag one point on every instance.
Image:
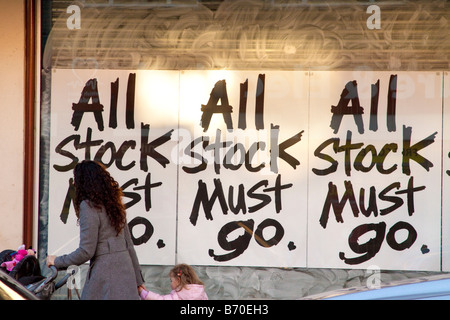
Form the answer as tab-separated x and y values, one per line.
105	240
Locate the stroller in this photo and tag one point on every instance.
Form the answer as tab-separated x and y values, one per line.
28	273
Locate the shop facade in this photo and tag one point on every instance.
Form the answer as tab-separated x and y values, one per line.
284	148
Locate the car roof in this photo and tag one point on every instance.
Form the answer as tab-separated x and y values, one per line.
436	287
11	289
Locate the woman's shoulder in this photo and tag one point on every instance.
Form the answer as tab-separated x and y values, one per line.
90	207
89	204
85	203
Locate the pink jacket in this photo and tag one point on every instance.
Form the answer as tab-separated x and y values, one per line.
190	292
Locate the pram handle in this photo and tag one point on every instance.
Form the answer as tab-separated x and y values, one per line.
38	287
53	275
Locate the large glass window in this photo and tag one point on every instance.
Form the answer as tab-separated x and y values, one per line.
283	148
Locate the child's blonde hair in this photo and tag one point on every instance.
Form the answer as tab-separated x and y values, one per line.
186	274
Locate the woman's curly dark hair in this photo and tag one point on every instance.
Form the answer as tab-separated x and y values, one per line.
94	183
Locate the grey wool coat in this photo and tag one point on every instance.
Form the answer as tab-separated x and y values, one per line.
114	272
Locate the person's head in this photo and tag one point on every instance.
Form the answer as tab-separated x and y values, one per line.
94	183
182	275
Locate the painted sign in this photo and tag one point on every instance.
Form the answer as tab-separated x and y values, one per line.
248	168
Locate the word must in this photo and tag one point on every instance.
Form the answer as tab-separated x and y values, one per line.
202	198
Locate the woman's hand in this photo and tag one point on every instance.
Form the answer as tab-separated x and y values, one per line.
51	261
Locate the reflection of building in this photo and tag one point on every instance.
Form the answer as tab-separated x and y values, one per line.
193	35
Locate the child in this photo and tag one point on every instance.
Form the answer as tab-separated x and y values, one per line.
185	285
